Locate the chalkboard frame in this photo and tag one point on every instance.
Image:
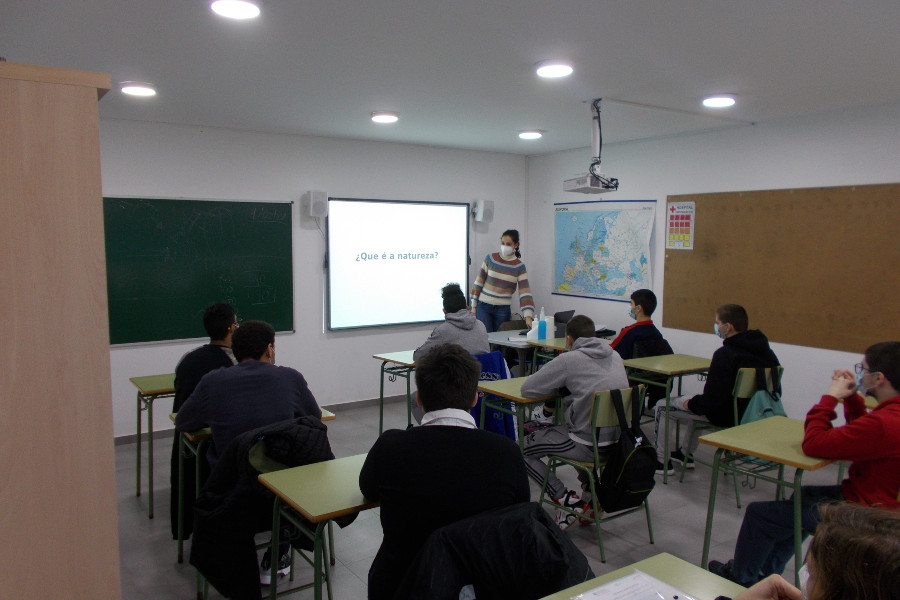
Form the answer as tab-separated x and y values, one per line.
169	258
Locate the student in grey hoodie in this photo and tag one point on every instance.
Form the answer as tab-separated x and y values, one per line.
459	327
590	365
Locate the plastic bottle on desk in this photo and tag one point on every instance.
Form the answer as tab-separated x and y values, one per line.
542	326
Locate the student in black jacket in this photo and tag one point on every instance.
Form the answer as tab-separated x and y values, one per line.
741	347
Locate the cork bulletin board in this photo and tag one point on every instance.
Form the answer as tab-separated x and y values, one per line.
815	267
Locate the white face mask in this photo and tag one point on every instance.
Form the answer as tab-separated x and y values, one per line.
506	250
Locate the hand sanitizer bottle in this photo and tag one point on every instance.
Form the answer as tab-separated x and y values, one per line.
542	326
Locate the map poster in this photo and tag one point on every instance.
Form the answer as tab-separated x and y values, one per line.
603	248
680	218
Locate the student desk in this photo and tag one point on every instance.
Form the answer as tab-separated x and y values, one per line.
149	388
192	442
692	580
511	339
318	493
776	439
672	366
509	389
394	365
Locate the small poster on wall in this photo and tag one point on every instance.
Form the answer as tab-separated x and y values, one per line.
680	225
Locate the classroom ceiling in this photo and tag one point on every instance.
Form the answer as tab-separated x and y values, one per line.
461	73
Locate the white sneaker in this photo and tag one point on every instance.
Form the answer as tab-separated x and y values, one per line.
575	505
539	416
265	568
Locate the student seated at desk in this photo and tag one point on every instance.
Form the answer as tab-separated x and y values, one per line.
252	394
855	555
430	476
870	439
741	347
459	327
643	303
588	366
220	322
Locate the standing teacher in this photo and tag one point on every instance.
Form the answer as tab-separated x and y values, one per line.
501	272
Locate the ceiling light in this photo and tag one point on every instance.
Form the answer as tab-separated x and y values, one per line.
235	9
531	134
385	116
719	101
553	68
137	88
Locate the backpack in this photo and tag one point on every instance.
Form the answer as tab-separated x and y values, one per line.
763	403
629	473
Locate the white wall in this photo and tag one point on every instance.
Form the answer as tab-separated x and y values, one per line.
154	160
842	148
141	159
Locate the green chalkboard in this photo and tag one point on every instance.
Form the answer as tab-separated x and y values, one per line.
166	260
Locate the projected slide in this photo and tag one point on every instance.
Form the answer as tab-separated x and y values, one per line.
388	260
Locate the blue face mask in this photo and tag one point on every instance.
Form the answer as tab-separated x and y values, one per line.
717	332
860	388
631	313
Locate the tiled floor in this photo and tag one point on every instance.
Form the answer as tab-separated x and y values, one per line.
149	569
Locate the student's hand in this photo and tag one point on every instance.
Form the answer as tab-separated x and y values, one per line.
843	384
528	321
773	587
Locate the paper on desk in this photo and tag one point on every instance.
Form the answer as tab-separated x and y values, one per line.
637	586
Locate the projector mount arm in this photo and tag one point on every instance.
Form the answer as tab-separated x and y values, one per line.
610	183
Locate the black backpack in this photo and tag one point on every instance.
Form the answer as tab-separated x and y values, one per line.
629	473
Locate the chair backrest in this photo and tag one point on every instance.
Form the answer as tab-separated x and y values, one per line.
511	325
745	385
657	347
604	415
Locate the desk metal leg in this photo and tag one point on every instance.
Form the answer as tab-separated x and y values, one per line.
408	410
180	497
711	507
798	527
381	400
138	444
520	425
150	453
665	459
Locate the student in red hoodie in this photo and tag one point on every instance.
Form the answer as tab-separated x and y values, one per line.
871	439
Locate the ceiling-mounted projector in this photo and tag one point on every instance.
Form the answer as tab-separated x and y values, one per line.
590	184
593	182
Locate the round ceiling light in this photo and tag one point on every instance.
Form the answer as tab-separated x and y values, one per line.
235	9
718	101
385	116
137	88
552	69
531	134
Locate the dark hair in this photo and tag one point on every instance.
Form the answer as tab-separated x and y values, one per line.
217	318
251	340
885	359
454	299
646	299
447	377
734	314
856	553
514	235
580	326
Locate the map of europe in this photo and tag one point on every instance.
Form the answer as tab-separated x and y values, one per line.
603	248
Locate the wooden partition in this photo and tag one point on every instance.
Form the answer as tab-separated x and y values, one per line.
815	267
58	522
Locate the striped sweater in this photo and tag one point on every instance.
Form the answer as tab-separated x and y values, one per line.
497	281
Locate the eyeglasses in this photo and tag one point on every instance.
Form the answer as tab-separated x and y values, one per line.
859	368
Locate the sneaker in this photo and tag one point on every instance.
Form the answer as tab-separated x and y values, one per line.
573	502
678	456
724	570
660	469
539	416
265	567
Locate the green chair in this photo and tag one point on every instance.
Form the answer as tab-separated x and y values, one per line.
602	415
733	463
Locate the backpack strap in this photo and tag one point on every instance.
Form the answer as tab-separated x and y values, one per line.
762	383
616	397
637	405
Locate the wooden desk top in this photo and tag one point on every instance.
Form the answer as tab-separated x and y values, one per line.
777	439
154	385
670	364
511	389
558	344
321	491
688	578
404	358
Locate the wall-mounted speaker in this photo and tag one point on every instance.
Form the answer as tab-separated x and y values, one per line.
318	204
484	211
